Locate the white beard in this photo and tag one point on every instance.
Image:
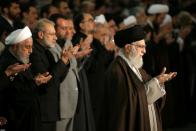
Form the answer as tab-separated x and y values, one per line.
48	44
22	59
25	60
18	56
135	59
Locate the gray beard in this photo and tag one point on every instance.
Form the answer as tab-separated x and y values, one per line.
56	52
48	45
19	58
24	60
135	60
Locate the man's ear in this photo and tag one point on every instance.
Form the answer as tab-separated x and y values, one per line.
127	48
81	25
14	48
40	34
5	10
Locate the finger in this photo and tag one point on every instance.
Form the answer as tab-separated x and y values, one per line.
26	66
75	49
46	79
22	67
29	64
164	70
81	41
15	64
45	74
173	74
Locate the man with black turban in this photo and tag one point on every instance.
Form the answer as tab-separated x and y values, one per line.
130	93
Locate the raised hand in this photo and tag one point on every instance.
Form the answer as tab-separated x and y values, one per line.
67	54
3	121
75	49
42	78
86	43
16	68
163	77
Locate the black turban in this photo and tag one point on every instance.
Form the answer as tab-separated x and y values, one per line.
129	35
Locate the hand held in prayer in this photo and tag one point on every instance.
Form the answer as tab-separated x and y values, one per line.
163	77
83	53
3	121
66	55
42	78
86	43
75	49
16	68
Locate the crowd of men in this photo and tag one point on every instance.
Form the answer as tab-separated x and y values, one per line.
92	68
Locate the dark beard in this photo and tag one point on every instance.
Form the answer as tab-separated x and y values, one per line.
13	17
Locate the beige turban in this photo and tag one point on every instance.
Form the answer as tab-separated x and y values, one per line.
131	20
100	19
158	8
18	36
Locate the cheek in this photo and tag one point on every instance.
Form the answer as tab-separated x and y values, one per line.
21	52
91	26
25	53
62	33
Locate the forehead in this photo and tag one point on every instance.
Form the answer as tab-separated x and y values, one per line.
48	27
87	16
62	21
28	41
63	4
102	29
14	5
32	8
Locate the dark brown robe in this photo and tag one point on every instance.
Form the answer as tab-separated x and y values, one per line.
126	107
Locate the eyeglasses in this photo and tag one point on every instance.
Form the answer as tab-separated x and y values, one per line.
88	21
140	46
27	46
50	33
66	27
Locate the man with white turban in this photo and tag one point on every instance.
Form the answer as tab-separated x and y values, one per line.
19	97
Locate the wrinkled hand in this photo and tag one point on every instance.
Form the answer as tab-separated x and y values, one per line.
110	46
83	53
16	68
42	78
75	49
66	55
3	121
163	77
86	43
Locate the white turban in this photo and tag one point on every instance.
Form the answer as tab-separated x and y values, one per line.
167	19
100	19
18	36
158	8
130	20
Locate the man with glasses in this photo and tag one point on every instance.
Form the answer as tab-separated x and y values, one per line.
43	61
19	102
130	93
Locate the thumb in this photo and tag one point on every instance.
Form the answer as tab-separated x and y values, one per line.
81	40
163	70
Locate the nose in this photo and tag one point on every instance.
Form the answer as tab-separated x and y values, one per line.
143	50
30	50
55	37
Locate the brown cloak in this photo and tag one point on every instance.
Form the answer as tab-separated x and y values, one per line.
126	107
